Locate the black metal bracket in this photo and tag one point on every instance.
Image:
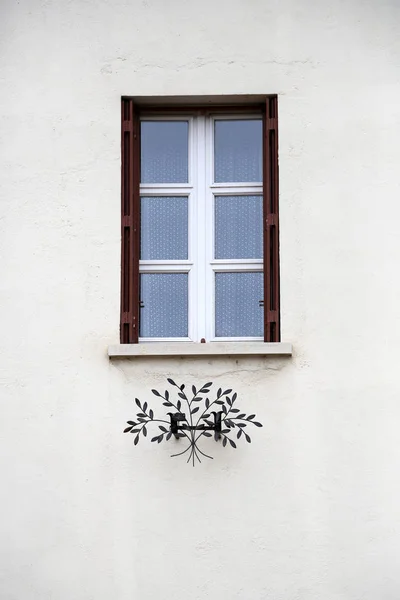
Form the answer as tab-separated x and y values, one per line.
176	418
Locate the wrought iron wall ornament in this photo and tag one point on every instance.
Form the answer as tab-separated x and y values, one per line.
201	421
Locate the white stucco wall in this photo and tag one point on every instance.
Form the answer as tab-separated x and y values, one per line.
309	511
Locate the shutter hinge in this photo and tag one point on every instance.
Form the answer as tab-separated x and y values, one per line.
127	221
272	316
271	220
127	126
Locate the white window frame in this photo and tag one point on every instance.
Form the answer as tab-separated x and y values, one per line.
201	190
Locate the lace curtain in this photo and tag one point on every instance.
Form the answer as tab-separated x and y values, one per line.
164	228
164	299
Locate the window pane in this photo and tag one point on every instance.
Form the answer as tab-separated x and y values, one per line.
164	228
238	150
164	299
164	151
237	309
238	227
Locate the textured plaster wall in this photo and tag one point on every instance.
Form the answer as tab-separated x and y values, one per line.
310	510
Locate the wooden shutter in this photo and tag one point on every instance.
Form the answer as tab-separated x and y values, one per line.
271	223
130	223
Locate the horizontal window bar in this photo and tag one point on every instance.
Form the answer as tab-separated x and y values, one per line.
251	185
237	261
237	268
176	339
164	269
156	263
165	190
236	339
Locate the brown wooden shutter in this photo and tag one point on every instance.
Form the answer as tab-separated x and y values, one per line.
130	223
271	223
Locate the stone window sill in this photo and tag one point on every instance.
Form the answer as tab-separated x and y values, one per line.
167	349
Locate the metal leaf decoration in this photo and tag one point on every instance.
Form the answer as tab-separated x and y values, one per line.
199	420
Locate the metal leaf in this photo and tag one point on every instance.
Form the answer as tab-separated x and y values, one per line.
168	435
145	407
248	438
234	397
224	442
220	402
232	443
160	438
166	394
138	402
193	390
128	429
250	417
207	403
131	422
207	434
227	392
219	392
181	395
154	439
257	424
136	440
178	405
195	410
242	416
234	410
144	431
182	387
151	414
167	404
171	381
239	433
229	401
162	428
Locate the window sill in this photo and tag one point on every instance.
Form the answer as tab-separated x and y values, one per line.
165	349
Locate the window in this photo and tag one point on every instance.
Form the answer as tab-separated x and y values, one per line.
200	247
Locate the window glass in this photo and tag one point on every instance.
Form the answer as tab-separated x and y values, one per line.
237	304
164	228
164	151
238	150
238	227
164	305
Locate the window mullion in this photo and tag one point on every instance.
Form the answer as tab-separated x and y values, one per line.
201	226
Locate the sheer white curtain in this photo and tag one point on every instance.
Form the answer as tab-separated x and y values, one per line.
238	227
164	228
237	309
164	151
238	150
164	298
